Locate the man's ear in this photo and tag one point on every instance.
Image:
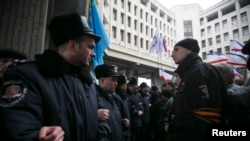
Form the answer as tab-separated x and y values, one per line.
72	44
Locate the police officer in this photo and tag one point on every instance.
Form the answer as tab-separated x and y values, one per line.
53	97
122	100
7	56
135	109
107	78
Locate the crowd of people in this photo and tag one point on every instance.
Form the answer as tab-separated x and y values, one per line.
54	97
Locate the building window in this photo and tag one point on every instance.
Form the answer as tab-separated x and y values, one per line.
245	30
202	33
209	31
204	55
114	14
141	13
135	10
135	24
135	40
146	30
129	7
141	28
226	37
122	3
141	42
227	48
201	21
114	32
219	50
243	17
210	41
146	17
129	38
122	18
188	29
147	45
217	27
234	20
129	22
235	33
225	25
151	19
203	43
218	39
122	35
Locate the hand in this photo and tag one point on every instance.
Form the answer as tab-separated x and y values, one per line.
51	133
126	122
103	114
140	113
166	128
140	104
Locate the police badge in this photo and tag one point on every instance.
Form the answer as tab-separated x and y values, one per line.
12	92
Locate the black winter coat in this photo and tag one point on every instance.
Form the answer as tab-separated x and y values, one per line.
107	101
200	87
52	93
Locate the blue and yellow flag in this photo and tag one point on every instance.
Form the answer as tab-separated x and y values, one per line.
95	23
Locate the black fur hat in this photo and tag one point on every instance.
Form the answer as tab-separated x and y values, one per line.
5	52
190	44
122	79
106	70
133	81
65	27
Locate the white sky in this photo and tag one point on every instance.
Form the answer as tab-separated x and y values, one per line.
203	3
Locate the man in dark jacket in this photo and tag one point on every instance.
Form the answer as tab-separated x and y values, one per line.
200	92
7	56
107	78
53	97
121	99
135	109
239	101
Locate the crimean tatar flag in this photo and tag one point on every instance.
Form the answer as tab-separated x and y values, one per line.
96	24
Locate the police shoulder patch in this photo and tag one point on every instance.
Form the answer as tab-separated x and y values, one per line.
20	62
204	91
12	92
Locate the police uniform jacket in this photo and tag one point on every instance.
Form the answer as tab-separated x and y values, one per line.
134	107
107	101
48	92
122	103
200	87
145	98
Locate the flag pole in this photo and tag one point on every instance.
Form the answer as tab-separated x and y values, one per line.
86	13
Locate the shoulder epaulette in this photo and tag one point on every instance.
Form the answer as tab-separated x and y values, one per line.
19	62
